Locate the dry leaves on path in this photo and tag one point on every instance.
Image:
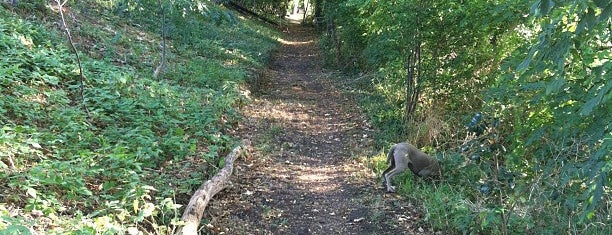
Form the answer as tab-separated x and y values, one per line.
303	177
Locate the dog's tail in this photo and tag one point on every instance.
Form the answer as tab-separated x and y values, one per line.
390	158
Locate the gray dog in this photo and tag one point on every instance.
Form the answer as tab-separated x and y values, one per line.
403	156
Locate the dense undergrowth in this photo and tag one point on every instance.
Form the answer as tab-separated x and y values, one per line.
512	96
120	157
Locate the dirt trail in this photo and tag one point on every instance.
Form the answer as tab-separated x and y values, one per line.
302	177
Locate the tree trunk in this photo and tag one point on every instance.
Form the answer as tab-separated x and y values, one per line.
318	13
413	75
296	6
306	8
199	200
162	65
331	32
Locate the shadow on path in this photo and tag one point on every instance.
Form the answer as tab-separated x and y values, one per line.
303	177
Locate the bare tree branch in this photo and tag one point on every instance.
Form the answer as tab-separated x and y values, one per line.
60	6
162	65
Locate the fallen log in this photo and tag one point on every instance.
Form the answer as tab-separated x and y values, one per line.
198	202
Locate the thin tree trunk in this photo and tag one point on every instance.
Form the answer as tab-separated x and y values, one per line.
413	75
317	10
305	10
296	6
162	66
60	6
419	76
331	31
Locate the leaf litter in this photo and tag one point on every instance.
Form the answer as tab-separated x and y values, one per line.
303	176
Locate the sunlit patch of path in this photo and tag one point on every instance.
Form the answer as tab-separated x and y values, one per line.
304	178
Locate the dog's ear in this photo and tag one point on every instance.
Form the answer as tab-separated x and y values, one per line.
423	164
433	169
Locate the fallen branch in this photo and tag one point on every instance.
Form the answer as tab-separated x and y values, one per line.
199	200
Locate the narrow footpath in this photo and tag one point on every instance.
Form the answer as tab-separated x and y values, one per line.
303	176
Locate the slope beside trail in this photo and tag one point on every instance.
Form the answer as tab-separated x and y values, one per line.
302	176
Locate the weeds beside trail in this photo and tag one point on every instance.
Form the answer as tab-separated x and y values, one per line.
304	176
112	150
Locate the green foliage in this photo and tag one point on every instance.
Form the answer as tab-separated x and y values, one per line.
562	111
458	54
272	9
539	69
113	162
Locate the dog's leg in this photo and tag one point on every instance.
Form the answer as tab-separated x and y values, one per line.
398	162
391	166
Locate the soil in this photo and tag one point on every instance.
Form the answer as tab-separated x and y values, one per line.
304	175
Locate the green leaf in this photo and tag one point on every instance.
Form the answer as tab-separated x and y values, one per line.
542	7
527	61
590	105
597	195
53	80
554	86
16	229
587	21
85	191
179	131
221	163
